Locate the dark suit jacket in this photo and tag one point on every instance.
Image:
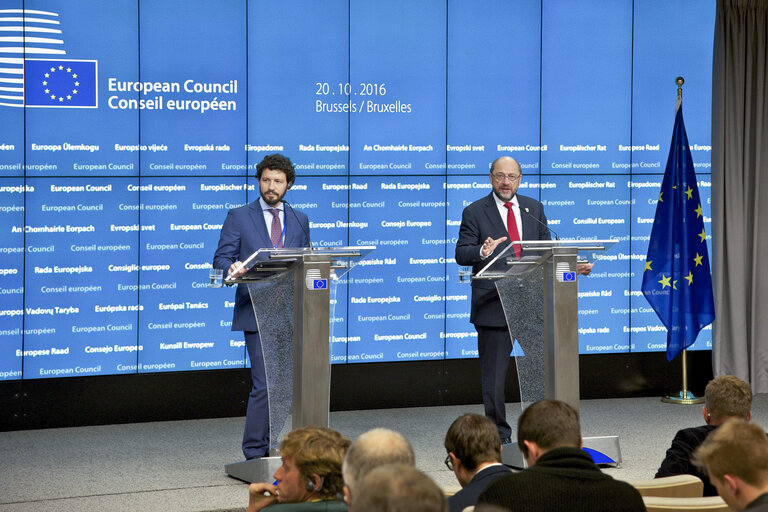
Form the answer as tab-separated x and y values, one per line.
468	495
678	458
479	221
243	233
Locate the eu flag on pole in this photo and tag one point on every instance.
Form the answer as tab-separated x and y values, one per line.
677	280
60	83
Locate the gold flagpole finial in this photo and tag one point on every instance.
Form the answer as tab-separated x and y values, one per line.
679	81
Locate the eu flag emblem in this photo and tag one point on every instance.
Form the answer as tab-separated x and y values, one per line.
60	83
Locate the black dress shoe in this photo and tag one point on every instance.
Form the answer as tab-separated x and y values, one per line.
506	440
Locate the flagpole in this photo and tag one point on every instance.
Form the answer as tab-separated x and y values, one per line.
683	397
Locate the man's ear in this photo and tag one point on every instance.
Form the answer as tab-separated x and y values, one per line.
347	495
732	483
314	483
455	461
534	451
706	414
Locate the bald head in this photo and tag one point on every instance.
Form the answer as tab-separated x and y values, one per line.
506	161
372	449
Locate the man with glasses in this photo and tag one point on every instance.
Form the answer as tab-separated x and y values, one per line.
267	222
474	456
488	226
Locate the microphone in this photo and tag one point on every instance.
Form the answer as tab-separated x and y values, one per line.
299	223
526	210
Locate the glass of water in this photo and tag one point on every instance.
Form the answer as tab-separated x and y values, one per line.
217	276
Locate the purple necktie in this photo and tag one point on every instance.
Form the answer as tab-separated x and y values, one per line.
276	232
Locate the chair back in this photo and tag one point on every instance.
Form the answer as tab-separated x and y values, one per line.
665	504
678	486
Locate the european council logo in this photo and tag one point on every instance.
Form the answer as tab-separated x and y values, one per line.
35	70
60	83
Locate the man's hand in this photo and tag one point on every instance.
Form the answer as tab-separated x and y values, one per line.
232	273
490	245
585	268
261	495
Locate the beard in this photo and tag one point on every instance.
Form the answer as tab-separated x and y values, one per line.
500	195
272	198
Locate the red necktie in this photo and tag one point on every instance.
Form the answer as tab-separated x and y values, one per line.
276	232
512	230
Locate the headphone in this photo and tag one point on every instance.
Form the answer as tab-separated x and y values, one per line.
310	485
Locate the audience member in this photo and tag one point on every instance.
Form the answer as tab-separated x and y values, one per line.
487	507
474	456
725	397
310	476
397	488
736	458
373	449
561	476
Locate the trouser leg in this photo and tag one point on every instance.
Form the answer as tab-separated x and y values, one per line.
256	434
494	346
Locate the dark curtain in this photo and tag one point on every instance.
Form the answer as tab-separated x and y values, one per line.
740	190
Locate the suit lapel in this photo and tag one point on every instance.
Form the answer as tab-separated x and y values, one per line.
494	218
530	229
292	228
260	228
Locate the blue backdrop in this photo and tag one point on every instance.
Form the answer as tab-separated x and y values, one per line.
111	201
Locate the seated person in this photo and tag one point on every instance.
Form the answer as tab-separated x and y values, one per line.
310	476
474	456
560	476
372	449
735	456
397	488
725	397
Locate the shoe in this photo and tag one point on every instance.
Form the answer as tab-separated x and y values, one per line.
506	440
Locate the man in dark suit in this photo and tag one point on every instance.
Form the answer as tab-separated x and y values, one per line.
474	456
486	229
265	223
725	397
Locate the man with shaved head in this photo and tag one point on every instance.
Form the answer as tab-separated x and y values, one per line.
372	449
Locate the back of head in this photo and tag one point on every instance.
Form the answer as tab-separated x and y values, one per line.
735	448
398	488
473	439
550	424
373	449
728	396
487	507
317	451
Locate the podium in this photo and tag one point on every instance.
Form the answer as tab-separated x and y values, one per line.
539	295
293	292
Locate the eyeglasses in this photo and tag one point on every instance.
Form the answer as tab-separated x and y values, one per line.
501	177
448	462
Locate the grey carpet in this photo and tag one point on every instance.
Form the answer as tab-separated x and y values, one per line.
178	465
